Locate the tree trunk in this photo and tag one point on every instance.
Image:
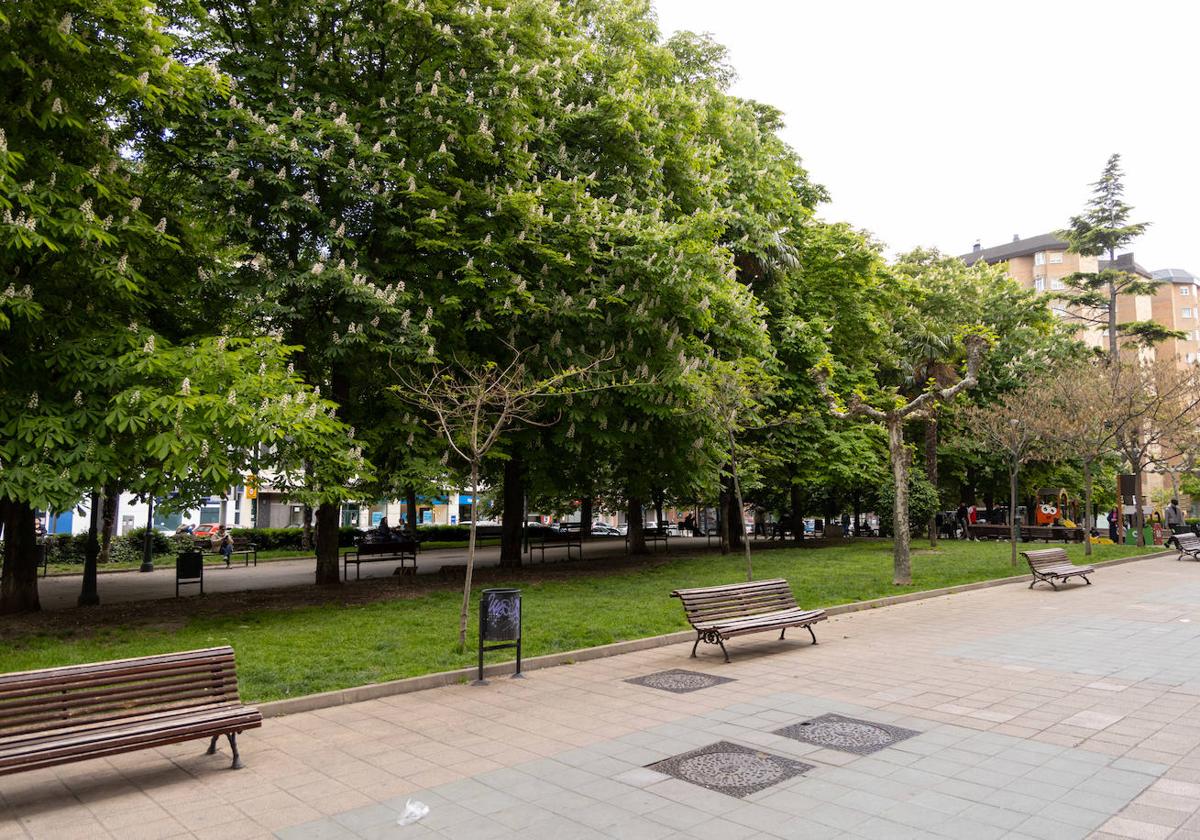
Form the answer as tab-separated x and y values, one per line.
18	579
585	518
737	493
797	515
857	504
723	504
88	594
734	524
306	536
1112	314
410	504
931	472
112	496
637	532
327	543
148	537
1087	507
658	509
466	601
1014	528
901	561
512	518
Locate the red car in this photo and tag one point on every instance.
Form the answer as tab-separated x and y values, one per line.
206	532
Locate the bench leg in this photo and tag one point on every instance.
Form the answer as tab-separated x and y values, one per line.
811	633
698	637
781	632
212	746
721	642
1086	579
237	759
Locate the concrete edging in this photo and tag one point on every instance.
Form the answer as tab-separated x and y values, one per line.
373	691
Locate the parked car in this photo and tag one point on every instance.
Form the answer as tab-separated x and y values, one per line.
207	532
599	529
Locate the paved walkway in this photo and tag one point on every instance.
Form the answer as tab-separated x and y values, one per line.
997	713
62	591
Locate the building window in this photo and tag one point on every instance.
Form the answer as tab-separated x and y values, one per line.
1056	283
1039	283
1056	257
1185	291
1039	258
1186	312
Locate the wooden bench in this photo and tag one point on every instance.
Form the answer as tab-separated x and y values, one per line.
1031	533
718	613
558	539
1186	543
1051	564
986	531
651	536
59	715
242	546
371	552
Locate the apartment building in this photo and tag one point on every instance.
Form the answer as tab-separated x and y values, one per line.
1176	305
1043	263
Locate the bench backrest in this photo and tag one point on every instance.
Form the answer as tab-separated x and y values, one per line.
1187	538
53	698
391	547
718	603
1047	558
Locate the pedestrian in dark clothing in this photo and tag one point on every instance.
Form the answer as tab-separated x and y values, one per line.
1175	517
1113	518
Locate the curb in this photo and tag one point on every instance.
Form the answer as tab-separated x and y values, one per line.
374	691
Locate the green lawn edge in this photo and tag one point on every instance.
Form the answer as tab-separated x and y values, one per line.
285	653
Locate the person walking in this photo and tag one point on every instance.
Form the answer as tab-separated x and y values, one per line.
1175	517
1113	518
960	517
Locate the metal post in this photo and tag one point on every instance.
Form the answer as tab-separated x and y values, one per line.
479	680
148	542
525	524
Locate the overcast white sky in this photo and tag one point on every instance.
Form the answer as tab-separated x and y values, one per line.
939	123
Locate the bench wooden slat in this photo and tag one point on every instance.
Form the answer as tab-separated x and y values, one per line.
139	664
717	613
72	727
56	715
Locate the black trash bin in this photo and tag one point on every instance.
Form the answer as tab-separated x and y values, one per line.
499	621
189	568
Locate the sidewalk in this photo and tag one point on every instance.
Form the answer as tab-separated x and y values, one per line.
997	713
61	591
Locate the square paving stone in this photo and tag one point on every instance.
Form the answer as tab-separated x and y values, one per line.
847	734
679	681
731	768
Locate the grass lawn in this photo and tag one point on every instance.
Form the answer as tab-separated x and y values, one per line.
290	650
